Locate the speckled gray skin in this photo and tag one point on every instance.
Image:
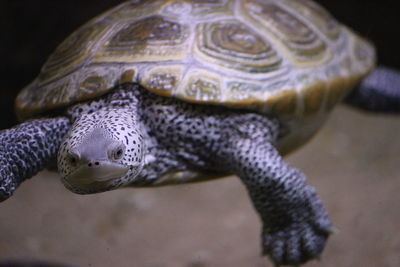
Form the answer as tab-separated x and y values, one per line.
26	149
379	92
161	135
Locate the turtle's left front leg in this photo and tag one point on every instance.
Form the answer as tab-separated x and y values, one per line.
295	223
26	149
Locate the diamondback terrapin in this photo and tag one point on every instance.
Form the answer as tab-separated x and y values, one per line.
174	91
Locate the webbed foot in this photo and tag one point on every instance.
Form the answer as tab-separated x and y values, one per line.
301	240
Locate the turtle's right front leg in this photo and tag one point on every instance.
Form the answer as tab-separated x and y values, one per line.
26	149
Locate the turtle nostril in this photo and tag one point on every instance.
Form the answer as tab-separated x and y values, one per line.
90	164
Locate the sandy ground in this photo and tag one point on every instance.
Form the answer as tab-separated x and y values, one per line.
354	162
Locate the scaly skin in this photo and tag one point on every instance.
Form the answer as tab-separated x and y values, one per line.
26	149
379	92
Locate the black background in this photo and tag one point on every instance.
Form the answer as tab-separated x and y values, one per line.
31	29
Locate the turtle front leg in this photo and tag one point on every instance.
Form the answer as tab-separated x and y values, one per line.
295	223
26	149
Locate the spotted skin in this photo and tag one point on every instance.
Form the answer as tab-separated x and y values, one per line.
179	136
116	124
379	92
297	232
26	149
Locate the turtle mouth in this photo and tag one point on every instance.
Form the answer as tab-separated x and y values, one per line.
97	177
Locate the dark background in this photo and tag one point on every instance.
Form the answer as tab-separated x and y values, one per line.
31	29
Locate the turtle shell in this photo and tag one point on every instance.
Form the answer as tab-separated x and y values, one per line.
282	57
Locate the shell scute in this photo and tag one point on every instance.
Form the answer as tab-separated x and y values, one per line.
234	45
314	98
318	16
243	92
202	87
284	103
73	52
128	76
211	8
90	85
134	9
150	39
296	35
162	80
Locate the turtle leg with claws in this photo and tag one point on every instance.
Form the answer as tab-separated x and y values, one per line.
26	149
379	92
295	223
207	138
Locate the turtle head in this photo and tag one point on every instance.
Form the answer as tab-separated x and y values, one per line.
103	151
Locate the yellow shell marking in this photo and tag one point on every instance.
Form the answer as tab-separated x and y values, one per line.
318	16
294	33
234	45
73	52
151	39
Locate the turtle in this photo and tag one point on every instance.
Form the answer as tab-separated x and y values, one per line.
163	92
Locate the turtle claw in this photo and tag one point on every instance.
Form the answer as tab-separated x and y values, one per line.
296	245
333	230
300	240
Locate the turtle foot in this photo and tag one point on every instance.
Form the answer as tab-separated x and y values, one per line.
295	245
300	241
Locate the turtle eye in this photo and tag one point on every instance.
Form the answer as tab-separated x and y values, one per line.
118	153
73	159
